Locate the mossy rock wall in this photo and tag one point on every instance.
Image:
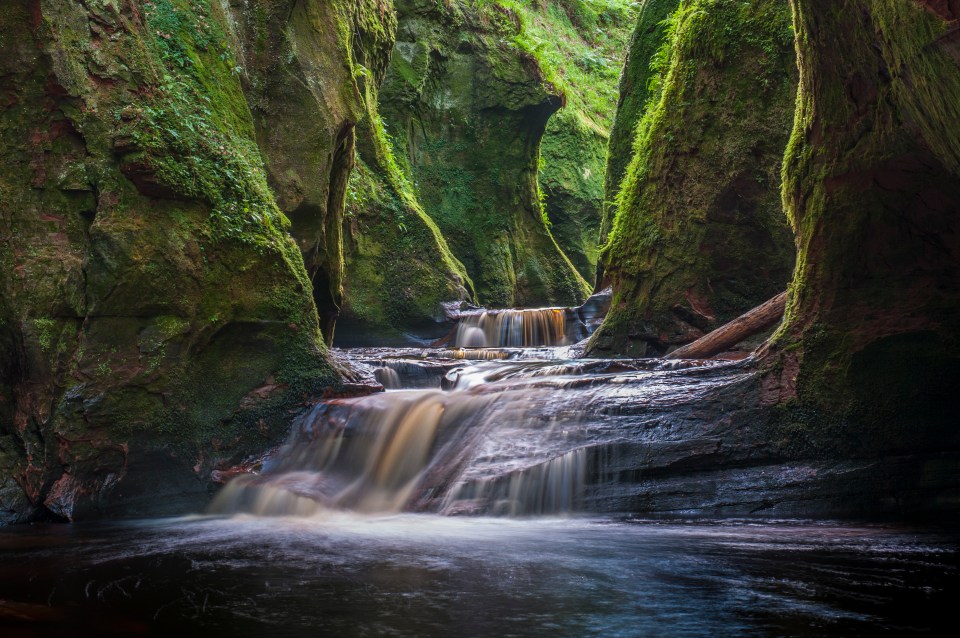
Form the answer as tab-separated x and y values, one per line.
466	109
579	45
156	317
571	181
399	268
646	42
868	358
304	65
699	235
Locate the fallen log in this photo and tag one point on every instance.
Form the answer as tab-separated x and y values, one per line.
761	318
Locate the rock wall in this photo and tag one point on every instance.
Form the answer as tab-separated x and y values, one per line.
156	318
399	265
573	156
852	411
580	44
399	268
699	236
868	359
467	108
300	63
647	40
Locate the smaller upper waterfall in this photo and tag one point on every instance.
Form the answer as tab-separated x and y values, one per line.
513	328
530	327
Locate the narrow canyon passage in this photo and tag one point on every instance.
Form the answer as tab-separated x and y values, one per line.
479	318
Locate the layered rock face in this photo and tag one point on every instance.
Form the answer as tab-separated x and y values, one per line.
156	318
467	110
699	236
868	359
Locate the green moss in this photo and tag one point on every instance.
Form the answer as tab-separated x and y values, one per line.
699	236
150	284
196	132
578	45
45	328
466	103
398	265
645	57
170	327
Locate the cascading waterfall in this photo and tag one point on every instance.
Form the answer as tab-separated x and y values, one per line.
485	354
410	450
513	328
504	437
555	486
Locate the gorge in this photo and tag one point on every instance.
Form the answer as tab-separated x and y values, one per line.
386	300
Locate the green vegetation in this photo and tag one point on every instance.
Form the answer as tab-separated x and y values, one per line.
579	45
45	327
196	133
642	65
399	267
467	102
151	288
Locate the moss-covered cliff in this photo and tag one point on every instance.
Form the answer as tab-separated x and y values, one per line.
699	235
466	107
303	66
399	265
645	43
399	268
580	45
868	358
156	317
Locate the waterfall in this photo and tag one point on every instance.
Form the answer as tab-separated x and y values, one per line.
387	377
513	328
469	449
506	437
366	455
556	486
478	355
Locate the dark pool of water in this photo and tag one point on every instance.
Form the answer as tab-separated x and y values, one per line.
420	575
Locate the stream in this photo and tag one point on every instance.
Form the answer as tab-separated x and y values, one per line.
486	492
429	575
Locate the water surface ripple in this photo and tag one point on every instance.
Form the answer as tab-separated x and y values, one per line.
427	575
